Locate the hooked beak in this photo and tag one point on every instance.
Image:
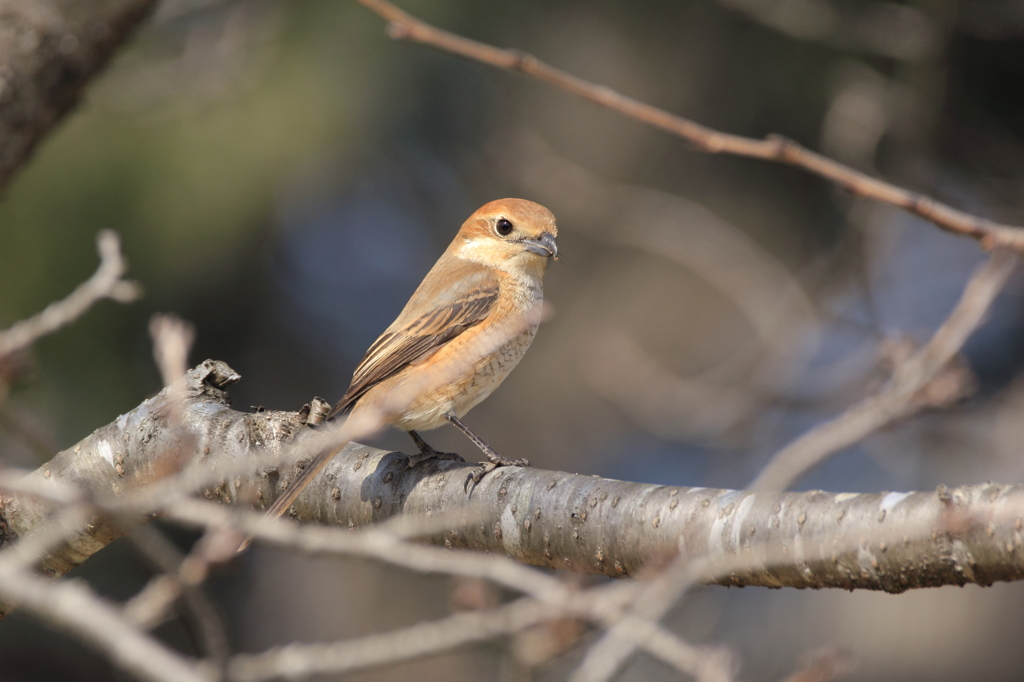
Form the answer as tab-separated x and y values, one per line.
545	246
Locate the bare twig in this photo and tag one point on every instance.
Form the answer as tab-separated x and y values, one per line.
548	518
377	544
172	340
621	639
866	27
106	282
553	599
300	661
403	26
72	606
384	545
586	523
152	605
902	395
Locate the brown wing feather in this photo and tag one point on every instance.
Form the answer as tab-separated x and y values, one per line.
398	348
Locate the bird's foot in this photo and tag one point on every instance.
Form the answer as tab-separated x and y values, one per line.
494	461
423	456
427	452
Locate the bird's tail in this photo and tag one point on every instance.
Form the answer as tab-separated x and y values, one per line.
282	503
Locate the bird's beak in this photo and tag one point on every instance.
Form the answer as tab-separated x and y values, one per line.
545	246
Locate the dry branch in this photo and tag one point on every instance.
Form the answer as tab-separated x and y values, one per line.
49	50
550	598
885	541
907	390
106	282
403	26
72	606
299	661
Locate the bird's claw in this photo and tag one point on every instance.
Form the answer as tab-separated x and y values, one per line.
433	454
494	461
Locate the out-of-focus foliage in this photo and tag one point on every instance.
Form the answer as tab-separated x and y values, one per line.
283	175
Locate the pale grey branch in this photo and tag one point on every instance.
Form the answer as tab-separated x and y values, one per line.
904	394
72	606
106	282
546	518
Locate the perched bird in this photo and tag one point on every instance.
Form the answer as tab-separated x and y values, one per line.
466	326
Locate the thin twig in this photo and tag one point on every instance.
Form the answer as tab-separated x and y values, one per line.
150	606
524	507
604	605
372	543
403	26
630	610
172	340
653	601
901	396
106	282
66	521
301	661
72	606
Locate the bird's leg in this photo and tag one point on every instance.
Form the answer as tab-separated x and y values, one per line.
427	452
495	460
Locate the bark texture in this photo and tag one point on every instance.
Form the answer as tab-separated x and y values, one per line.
883	541
49	50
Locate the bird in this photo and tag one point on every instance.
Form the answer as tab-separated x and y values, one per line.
464	329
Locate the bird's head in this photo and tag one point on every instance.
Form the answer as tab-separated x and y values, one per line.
514	235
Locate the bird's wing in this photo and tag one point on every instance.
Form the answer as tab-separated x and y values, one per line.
446	304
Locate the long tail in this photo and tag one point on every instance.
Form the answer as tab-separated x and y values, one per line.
282	503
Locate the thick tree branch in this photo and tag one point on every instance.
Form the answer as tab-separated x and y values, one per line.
49	50
403	26
884	541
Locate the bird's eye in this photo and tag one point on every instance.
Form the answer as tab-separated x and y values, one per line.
504	227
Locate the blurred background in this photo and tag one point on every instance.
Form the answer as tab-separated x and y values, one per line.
283	175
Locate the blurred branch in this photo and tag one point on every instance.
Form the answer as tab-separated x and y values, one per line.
720	396
825	664
652	601
300	661
139	448
882	28
106	282
49	51
72	606
908	390
546	518
991	234
891	542
297	661
172	340
391	543
152	605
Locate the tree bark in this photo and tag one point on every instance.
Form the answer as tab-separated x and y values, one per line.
884	541
49	50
